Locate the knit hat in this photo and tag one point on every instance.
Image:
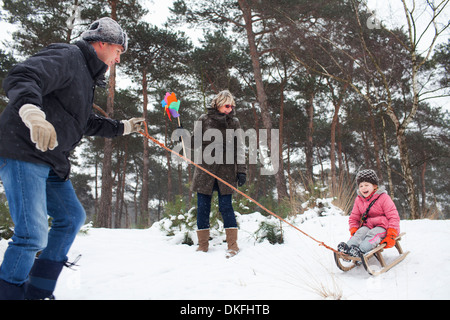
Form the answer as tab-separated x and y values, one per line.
106	30
367	175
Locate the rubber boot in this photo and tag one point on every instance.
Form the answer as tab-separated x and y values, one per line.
9	291
231	236
43	277
203	240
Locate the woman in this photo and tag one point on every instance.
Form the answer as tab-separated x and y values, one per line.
220	117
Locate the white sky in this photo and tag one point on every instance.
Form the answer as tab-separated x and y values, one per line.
389	12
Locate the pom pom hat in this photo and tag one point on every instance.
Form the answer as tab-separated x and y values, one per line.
367	175
106	30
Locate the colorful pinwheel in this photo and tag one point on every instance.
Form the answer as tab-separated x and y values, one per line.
171	105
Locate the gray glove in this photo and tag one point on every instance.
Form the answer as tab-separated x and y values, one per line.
42	132
132	125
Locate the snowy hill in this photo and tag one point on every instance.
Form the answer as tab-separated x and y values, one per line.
147	264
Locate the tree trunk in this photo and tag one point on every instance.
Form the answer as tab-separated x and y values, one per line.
367	162
261	94
376	147
252	172
339	144
424	190
121	183
333	145
407	173
145	217
309	139
337	106
386	160
281	142
104	218
169	166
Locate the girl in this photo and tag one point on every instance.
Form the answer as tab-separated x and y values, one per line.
374	218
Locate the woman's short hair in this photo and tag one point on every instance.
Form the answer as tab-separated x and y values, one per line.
223	98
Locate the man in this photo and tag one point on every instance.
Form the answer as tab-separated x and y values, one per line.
50	109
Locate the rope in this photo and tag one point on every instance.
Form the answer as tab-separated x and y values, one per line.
147	135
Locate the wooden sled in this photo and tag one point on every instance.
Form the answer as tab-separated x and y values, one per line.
346	262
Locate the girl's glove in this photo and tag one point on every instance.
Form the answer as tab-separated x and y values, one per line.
353	230
42	132
390	238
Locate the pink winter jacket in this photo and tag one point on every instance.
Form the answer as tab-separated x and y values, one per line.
383	213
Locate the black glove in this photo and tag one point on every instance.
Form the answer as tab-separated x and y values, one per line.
241	178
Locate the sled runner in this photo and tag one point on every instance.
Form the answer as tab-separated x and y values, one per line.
346	262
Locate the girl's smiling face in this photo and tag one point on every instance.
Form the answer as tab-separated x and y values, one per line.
366	188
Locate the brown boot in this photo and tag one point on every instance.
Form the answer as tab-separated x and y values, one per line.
203	240
232	235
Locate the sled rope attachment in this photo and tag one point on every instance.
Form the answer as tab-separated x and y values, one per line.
162	145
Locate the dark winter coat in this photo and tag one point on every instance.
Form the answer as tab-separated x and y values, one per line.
203	182
60	80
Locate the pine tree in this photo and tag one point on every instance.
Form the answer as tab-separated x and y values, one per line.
156	55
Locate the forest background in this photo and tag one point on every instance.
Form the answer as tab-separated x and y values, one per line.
346	90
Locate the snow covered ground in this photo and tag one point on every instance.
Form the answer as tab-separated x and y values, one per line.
148	265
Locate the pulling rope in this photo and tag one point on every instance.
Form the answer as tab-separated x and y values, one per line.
147	135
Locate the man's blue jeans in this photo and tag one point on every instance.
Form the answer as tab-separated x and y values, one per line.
35	192
225	208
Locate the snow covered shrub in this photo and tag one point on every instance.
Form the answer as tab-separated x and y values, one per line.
270	230
313	193
323	205
187	239
241	203
177	222
182	224
85	228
